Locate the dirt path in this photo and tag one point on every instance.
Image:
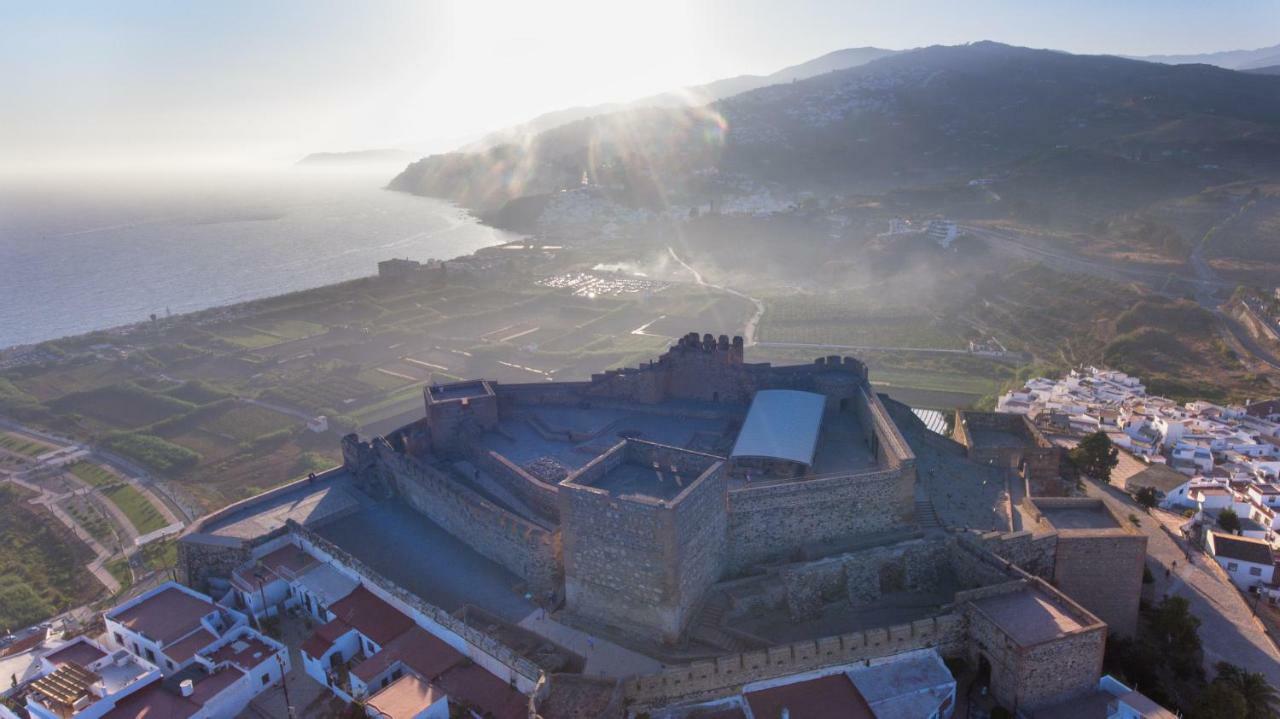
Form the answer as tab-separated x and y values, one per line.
749	331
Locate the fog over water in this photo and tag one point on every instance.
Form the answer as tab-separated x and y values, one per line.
104	251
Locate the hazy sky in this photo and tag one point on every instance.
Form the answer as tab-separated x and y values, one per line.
97	84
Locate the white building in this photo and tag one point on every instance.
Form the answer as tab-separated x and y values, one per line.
942	232
169	625
1249	562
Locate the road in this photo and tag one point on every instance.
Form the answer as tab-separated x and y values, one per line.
749	331
1228	630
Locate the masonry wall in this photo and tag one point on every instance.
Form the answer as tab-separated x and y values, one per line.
864	576
772	522
526	549
729	673
640	563
1102	570
538	495
1033	553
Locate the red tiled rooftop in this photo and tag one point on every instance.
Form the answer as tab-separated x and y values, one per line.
186	648
832	697
79	652
421	651
471	684
405	698
324	637
371	616
165	616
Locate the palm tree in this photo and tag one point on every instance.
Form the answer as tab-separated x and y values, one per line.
1262	698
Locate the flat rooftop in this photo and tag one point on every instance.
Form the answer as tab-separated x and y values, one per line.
1086	516
308	504
1028	616
460	390
166	616
636	479
842	445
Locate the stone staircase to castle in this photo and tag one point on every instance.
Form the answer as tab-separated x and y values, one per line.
708	625
926	515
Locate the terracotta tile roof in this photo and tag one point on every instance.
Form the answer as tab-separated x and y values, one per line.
282	564
405	698
80	652
832	697
211	685
183	650
418	649
371	616
324	637
472	685
165	616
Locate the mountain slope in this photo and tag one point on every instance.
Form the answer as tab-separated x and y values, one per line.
1230	59
685	97
930	115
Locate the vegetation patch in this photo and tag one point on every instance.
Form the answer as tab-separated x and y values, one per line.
154	452
41	563
141	512
197	392
22	445
123	405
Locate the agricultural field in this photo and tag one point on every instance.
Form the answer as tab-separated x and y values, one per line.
41	563
93	520
124	405
22	445
141	512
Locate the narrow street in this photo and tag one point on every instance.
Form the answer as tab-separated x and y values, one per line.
1228	630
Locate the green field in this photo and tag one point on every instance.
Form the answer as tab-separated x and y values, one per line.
135	505
247	422
93	474
22	445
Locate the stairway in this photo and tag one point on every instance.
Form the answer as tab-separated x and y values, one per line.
925	516
707	628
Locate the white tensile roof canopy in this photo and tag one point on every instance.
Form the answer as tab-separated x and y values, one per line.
781	424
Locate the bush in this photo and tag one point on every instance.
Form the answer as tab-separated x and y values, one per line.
154	452
1229	520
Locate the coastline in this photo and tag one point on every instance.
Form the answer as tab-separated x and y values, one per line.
386	242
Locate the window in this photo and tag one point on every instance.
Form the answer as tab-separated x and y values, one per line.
265	678
151	656
397	673
172	666
1255	571
1232	566
119	639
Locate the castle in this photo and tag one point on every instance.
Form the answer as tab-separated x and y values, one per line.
645	499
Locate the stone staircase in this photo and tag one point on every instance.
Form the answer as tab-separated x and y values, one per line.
925	516
707	626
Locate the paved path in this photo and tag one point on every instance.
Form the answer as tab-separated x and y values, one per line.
604	658
1228	629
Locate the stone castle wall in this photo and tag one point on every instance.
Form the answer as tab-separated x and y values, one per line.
1103	572
640	561
729	673
864	576
1024	678
772	522
538	495
528	550
1033	553
1038	459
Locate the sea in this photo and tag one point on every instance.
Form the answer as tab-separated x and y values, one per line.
90	253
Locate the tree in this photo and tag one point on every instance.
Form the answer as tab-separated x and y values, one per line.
1262	700
1176	632
1220	700
1146	497
1229	520
1096	456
